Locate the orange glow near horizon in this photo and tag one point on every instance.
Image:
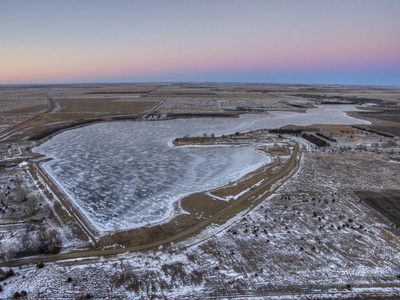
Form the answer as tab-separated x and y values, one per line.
298	38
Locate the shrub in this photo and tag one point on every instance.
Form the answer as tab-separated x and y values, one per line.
5	274
286	131
315	140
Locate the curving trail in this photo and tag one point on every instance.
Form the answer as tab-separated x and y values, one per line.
50	106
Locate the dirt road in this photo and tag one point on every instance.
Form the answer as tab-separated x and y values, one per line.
50	106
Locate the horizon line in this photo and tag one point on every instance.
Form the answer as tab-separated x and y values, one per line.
192	82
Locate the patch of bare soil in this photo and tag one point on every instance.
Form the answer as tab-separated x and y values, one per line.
122	89
391	129
387	202
386	115
102	104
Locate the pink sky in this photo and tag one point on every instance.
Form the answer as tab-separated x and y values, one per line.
50	42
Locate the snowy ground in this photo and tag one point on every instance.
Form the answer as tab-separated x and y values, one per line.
313	237
29	224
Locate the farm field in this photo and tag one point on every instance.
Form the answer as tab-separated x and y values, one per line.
313	213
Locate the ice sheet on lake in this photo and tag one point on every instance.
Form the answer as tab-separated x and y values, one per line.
125	173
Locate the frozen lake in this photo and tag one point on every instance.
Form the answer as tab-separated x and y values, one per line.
124	175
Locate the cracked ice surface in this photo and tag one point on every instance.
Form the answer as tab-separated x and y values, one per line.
125	173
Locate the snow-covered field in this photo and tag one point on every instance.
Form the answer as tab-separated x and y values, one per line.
124	174
313	239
